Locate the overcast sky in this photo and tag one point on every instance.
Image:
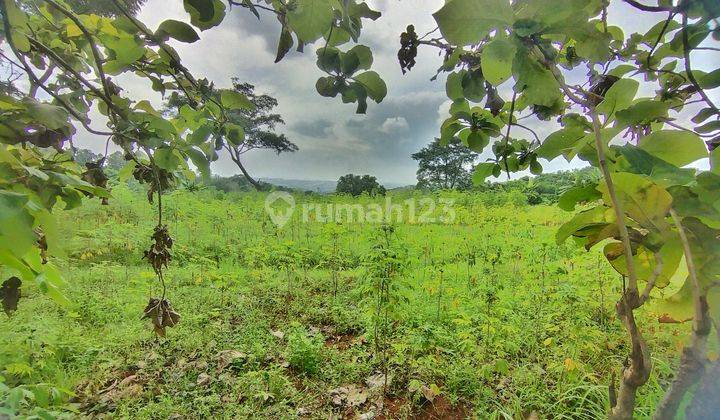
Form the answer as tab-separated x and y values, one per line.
333	140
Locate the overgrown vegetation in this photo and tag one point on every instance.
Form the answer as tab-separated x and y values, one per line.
488	315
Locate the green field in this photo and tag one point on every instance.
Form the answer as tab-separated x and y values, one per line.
486	316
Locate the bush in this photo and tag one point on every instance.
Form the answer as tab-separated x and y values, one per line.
304	353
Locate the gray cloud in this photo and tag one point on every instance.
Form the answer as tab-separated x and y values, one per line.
320	128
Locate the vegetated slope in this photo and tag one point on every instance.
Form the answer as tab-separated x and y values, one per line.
493	318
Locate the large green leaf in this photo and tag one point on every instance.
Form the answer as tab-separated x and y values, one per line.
560	141
632	159
642	112
645	261
310	19
536	82
674	146
596	216
167	158
619	96
570	198
364	55
453	85
496	60
180	31
482	171
205	14
464	22
16	224
235	100
644	201
374	85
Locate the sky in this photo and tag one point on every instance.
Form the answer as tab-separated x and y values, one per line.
332	139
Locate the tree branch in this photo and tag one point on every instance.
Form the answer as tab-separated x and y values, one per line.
688	67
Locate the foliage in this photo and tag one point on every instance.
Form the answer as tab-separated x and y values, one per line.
304	353
228	302
445	166
537	47
359	184
252	128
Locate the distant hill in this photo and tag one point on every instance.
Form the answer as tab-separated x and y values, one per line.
320	186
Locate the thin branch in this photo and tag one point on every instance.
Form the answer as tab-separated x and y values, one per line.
43	78
62	63
688	67
95	53
679	127
653	278
429	33
257	6
507	134
528	129
616	204
646	8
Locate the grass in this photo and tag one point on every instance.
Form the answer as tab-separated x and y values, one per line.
491	312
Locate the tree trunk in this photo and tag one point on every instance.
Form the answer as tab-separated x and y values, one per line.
245	173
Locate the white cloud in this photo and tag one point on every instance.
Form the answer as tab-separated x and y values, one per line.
394	125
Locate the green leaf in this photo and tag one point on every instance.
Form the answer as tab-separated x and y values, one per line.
710	80
560	141
536	83
180	31
349	63
473	86
235	134
482	171
645	262
328	59
200	161
205	14
464	22
235	100
51	116
16	224
644	201
375	86
477	140
635	160
642	112
327	87
200	135
284	44
674	146
166	158
570	198
310	19
364	55
596	216
496	60
453	85
708	128
619	96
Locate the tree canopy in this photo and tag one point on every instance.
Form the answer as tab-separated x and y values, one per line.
445	166
248	129
359	184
